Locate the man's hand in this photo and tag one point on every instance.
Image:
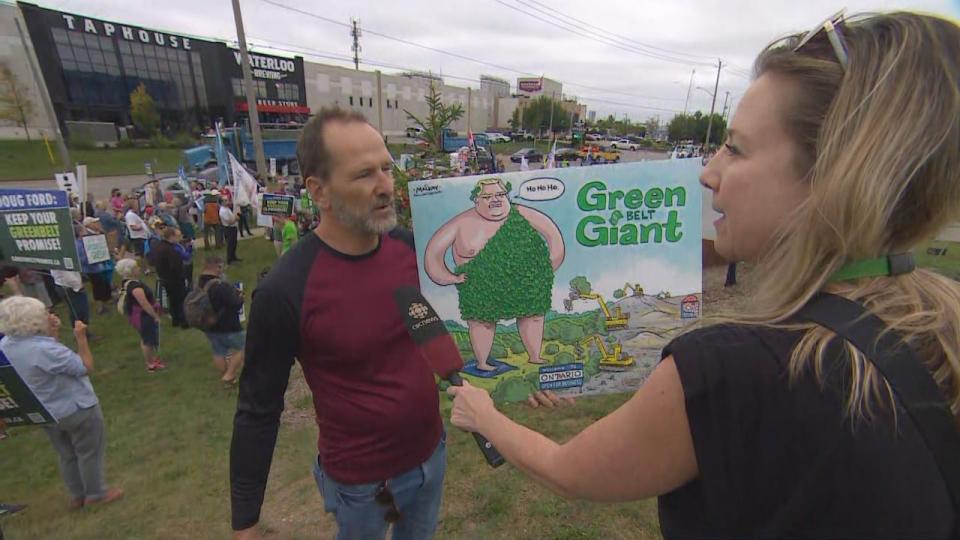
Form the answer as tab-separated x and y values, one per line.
548	399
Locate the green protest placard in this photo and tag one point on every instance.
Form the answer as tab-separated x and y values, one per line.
37	230
276	205
18	405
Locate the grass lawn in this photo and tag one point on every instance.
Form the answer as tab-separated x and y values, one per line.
169	435
20	160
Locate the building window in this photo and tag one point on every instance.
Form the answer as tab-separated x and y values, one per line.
370	102
388	104
351	101
287	91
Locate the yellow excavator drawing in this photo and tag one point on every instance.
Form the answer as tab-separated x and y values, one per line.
635	287
615	320
610	360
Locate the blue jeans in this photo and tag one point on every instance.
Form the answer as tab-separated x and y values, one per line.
416	493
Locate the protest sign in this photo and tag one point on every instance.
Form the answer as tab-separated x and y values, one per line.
96	248
68	182
277	205
18	405
568	279
273	167
37	230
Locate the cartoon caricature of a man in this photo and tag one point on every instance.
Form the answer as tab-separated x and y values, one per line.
505	255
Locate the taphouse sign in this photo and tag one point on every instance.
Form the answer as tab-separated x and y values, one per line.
129	33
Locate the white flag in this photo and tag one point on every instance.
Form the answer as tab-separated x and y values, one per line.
245	186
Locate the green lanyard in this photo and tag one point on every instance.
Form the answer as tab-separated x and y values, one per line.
890	265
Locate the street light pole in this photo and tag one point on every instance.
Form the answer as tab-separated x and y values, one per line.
252	113
713	105
689	88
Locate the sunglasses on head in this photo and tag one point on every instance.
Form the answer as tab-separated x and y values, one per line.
385	497
832	27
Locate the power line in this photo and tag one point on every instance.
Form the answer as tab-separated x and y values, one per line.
574	30
638	43
456	55
296	49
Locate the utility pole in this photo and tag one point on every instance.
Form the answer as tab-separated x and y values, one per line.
713	105
355	33
64	153
726	100
252	113
379	103
689	89
553	97
469	107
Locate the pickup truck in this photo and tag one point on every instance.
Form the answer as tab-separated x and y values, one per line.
522	135
600	154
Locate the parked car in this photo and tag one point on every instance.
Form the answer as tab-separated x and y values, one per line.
174	185
497	137
522	135
623	144
414	132
532	154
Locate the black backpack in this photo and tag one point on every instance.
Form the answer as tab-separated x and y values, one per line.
198	309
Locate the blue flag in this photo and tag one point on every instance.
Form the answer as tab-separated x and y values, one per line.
221	153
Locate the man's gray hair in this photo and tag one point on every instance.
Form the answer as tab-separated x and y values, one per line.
23	316
125	267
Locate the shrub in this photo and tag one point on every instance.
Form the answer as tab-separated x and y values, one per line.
184	140
551	348
159	141
126	143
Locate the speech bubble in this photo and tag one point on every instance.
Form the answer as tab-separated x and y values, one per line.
545	188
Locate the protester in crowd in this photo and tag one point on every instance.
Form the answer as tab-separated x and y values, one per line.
88	208
211	220
375	398
71	288
110	225
100	273
228	221
770	425
165	213
30	282
116	202
185	249
168	261
136	229
226	336
245	217
185	212
290	232
59	378
140	308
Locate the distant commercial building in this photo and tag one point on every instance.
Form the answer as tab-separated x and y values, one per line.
90	67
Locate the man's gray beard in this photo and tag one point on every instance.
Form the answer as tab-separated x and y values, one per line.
363	222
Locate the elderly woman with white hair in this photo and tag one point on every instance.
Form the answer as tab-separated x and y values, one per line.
140	308
59	378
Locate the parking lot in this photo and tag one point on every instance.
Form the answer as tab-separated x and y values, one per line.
626	156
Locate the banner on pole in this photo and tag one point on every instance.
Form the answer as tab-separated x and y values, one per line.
68	182
37	229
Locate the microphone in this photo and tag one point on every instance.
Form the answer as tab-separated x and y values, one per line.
429	332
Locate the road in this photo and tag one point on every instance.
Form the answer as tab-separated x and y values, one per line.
101	186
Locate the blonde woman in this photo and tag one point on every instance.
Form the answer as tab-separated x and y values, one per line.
140	308
844	150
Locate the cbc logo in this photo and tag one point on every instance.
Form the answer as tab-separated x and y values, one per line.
418	310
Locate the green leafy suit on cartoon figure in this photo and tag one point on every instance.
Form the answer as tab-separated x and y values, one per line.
505	257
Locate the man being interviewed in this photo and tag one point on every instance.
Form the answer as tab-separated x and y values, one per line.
329	303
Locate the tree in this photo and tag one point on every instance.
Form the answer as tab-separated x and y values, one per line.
536	115
515	122
580	285
439	117
15	103
694	127
143	111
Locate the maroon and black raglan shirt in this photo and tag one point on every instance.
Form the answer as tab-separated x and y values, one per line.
376	399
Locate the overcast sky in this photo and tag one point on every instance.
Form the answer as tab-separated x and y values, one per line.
618	56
